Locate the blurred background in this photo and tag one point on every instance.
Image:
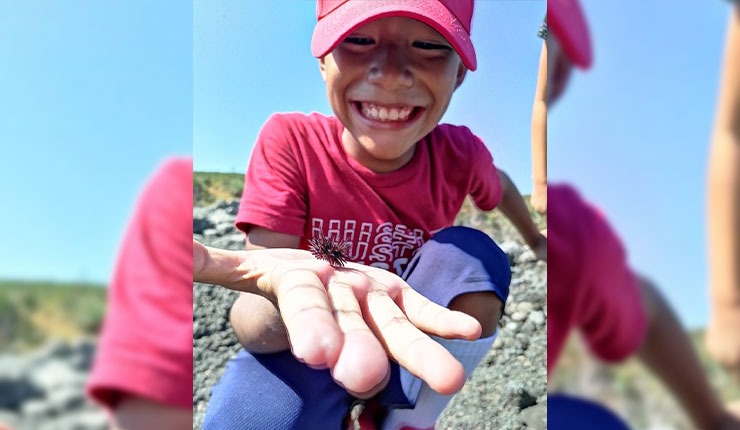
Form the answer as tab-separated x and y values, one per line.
632	134
94	96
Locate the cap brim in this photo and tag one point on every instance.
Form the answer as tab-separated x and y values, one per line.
340	23
566	21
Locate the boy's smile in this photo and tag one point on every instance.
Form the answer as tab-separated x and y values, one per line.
389	83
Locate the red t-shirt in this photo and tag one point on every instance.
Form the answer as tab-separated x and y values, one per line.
301	182
146	345
589	285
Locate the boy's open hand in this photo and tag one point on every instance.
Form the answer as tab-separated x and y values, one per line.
350	319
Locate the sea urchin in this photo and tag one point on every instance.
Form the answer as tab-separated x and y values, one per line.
329	249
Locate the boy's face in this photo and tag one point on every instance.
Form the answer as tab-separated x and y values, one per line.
389	83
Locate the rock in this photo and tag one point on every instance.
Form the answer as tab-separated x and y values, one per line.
229	207
45	389
525	307
82	356
526	256
66	398
78	420
537	317
535	417
527	328
221	217
36	410
15	390
498	343
519	315
201	224
56	374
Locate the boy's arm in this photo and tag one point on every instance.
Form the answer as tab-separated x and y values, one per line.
350	320
667	351
256	320
513	206
723	337
539	137
139	413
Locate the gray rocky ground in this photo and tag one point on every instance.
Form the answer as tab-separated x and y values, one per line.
44	390
506	392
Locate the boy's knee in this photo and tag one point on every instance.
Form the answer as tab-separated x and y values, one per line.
463	269
486	307
481	247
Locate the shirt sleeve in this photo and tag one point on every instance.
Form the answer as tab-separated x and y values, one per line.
610	308
274	195
145	347
485	187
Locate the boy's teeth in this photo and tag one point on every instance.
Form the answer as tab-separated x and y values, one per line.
385	114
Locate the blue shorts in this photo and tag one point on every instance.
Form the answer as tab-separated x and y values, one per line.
275	391
571	413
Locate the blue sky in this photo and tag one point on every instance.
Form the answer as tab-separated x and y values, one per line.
633	132
94	96
253	58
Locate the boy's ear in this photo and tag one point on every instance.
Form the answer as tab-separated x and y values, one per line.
461	72
322	67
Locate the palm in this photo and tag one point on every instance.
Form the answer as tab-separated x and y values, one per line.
352	319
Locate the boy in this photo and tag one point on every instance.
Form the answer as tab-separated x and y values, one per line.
384	177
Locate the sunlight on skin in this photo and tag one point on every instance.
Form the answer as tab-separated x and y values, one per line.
349	320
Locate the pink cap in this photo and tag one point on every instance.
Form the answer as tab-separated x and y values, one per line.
338	18
566	21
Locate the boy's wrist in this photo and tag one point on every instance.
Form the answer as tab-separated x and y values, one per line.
726	303
533	238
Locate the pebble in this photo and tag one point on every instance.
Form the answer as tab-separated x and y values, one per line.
537	317
519	315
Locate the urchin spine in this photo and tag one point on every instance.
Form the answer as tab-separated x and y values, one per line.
331	250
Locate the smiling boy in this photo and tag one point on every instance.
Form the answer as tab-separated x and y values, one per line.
385	177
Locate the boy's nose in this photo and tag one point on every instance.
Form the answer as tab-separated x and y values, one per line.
390	69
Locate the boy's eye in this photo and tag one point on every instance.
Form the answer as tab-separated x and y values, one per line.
356	40
431	46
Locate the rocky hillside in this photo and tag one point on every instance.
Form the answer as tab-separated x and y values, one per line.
506	392
46	350
44	389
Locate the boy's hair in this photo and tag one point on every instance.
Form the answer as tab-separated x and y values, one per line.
567	23
338	18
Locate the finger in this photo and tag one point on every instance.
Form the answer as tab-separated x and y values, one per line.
362	367
413	350
435	319
304	306
425	314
